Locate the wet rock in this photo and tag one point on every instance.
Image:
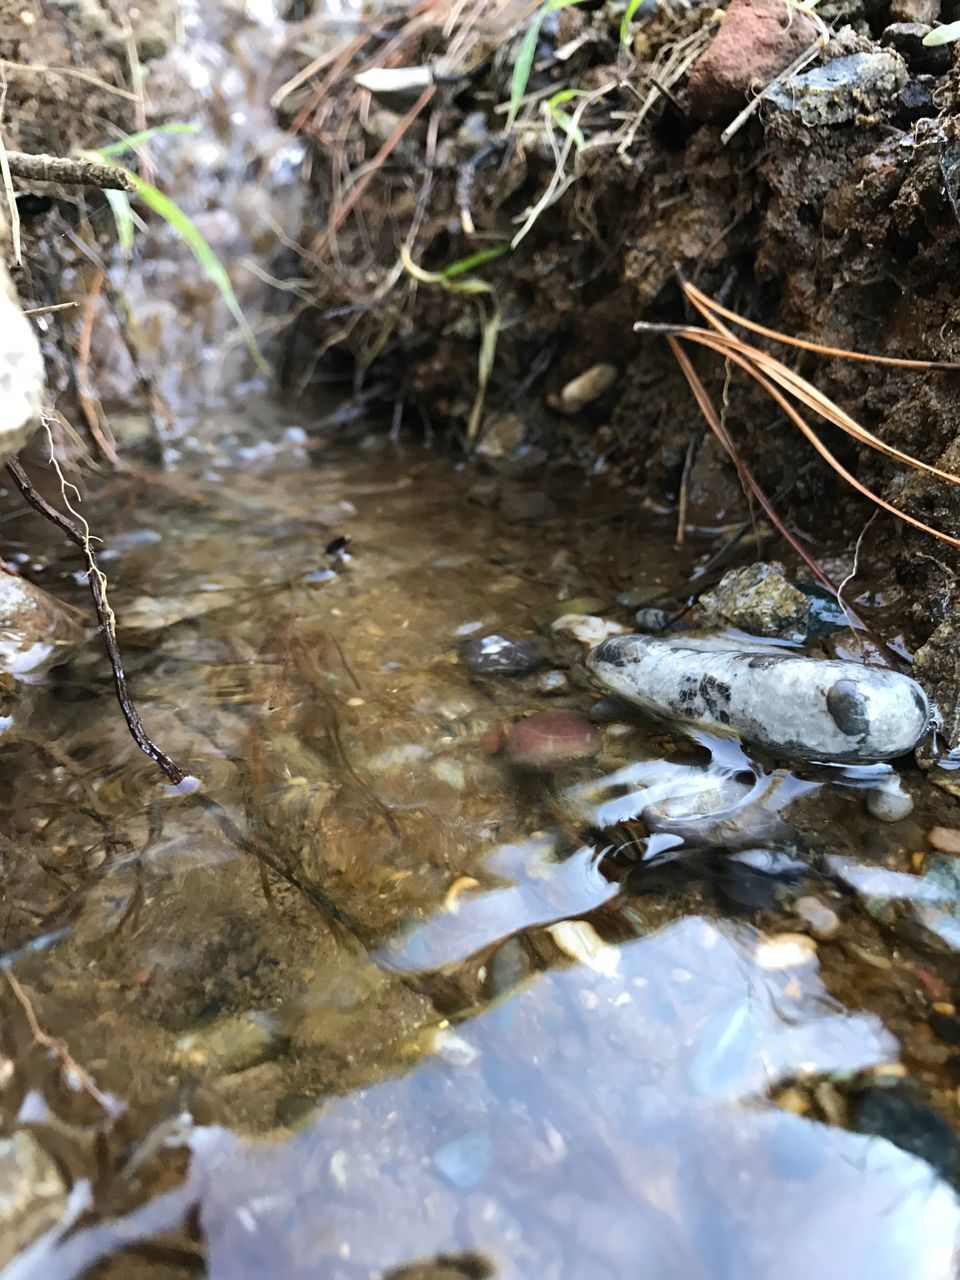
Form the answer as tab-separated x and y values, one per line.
907	39
757	40
859	87
759	599
823	921
588	628
35	628
552	682
640	595
946	1026
232	1044
587	387
550	739
890	802
936	665
32	1193
498	656
911	1125
946	839
518	505
800	708
548	615
652	620
501	437
608	711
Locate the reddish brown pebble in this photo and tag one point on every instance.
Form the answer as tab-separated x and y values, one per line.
757	40
550	739
946	839
492	740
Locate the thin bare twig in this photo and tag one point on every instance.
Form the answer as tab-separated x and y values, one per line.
45	311
58	1046
104	617
68	170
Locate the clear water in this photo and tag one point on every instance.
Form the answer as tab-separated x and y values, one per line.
374	1002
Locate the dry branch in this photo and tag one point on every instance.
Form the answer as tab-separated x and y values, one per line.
67	170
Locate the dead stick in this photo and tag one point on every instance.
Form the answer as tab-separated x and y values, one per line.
67	170
104	618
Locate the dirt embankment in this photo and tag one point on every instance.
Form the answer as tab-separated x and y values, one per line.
832	213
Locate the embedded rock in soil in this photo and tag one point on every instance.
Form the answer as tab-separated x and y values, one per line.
759	599
915	10
859	87
907	39
32	1194
498	656
35	628
936	665
757	40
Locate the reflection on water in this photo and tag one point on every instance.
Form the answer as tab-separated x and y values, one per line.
373	996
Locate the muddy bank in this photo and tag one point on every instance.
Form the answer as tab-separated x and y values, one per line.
830	214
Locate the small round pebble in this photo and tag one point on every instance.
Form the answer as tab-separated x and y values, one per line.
552	682
946	839
498	656
890	803
550	739
653	620
823	921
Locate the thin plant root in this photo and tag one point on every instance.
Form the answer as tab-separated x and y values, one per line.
105	618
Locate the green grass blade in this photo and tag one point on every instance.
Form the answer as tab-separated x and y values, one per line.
211	265
134	140
942	35
119	203
478	259
528	51
628	17
565	121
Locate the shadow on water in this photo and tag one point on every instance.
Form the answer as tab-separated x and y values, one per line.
373	1002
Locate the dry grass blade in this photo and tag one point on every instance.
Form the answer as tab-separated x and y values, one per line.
705	304
742	356
749	481
725	342
807	393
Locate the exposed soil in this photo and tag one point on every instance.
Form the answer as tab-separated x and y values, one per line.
842	232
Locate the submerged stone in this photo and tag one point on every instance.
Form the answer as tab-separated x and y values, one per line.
800	708
550	739
498	656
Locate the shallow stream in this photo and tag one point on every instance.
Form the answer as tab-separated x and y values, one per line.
374	999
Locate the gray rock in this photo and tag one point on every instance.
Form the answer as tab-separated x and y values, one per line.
552	682
799	708
907	39
498	656
858	87
759	599
890	802
822	921
653	620
936	666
